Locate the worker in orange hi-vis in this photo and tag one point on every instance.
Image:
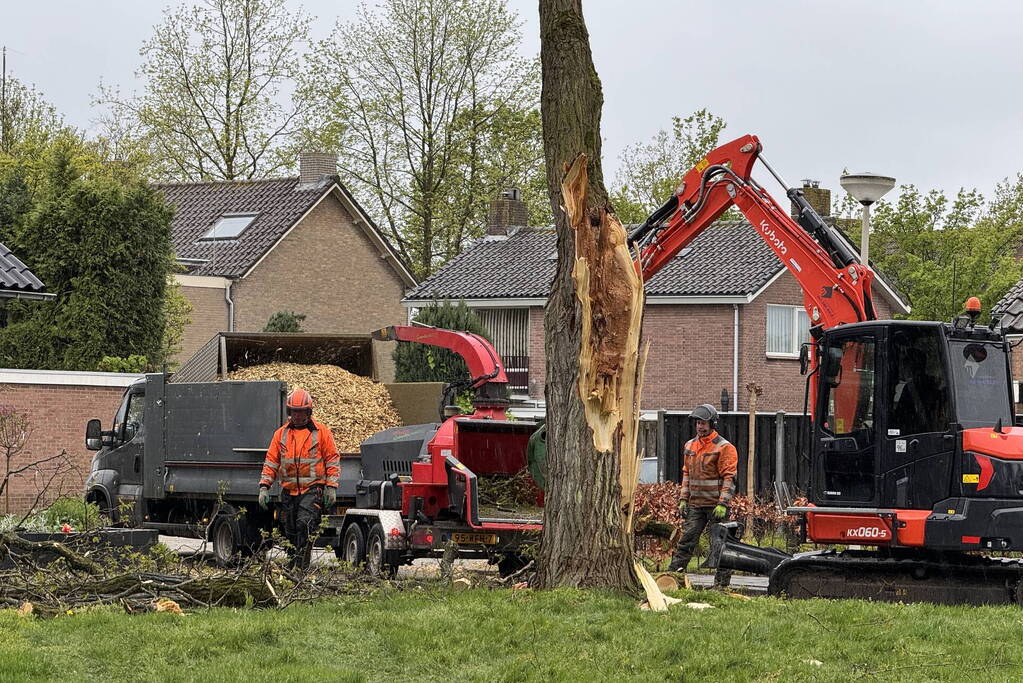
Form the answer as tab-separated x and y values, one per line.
303	455
709	464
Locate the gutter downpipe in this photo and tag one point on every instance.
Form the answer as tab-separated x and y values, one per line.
735	356
230	305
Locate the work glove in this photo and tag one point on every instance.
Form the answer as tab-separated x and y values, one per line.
264	497
720	511
329	496
683	508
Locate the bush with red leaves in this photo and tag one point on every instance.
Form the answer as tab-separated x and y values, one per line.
758	516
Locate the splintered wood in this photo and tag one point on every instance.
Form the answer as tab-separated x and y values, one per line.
353	407
610	294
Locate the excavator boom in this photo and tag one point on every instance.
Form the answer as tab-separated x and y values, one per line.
836	287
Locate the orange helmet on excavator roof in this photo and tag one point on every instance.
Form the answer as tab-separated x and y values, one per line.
299	399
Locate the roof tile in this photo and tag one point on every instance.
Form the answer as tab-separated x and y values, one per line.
279	203
15	275
1010	308
523	265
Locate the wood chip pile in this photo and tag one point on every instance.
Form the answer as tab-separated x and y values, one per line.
353	407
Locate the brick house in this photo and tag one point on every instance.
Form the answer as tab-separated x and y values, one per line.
303	244
723	314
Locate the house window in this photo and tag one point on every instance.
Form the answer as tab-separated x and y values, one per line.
229	226
788	327
509	331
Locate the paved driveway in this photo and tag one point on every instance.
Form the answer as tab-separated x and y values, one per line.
427	567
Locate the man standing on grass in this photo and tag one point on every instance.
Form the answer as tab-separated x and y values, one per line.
303	455
708	483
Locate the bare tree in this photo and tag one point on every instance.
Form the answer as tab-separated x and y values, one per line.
48	472
216	73
423	99
592	327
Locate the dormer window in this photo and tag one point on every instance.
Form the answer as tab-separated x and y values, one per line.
230	226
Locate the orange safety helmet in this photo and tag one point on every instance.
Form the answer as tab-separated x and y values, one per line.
299	399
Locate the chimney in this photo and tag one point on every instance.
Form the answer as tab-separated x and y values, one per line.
818	197
316	167
507	211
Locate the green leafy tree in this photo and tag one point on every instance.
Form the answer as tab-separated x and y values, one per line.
650	171
939	250
100	241
421	363
432	111
118	364
216	74
285	321
26	118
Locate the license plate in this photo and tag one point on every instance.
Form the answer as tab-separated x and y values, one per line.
478	539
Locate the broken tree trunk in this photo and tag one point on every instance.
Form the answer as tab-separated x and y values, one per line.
592	329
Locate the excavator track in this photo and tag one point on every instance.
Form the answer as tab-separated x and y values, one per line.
953	579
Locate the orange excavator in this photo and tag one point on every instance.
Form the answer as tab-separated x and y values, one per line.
915	462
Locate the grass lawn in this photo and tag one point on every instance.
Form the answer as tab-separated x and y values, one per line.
506	635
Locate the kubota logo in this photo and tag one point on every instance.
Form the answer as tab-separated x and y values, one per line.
773	238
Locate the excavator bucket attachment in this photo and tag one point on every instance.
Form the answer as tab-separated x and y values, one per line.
728	552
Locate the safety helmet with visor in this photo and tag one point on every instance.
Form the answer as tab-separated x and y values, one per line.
299	399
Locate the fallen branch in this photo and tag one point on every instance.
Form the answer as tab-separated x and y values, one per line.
74	560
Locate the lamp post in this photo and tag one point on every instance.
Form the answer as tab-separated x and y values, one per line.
866	188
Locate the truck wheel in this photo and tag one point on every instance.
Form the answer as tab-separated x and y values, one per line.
376	554
353	546
225	542
108	514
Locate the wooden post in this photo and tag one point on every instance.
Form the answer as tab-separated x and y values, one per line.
754	390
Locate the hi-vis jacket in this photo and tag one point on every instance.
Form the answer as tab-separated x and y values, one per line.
708	471
303	458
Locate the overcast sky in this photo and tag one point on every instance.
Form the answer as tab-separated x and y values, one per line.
927	91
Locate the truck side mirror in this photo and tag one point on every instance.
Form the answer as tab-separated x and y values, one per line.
93	435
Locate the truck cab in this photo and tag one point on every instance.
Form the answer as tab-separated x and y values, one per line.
115	478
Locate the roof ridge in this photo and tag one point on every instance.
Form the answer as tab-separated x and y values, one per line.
184	183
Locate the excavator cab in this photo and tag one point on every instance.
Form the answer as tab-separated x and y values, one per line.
892	400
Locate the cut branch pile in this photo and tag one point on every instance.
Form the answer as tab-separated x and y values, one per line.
353	407
657	512
155	582
503	491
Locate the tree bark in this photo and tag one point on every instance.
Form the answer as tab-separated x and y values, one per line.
592	325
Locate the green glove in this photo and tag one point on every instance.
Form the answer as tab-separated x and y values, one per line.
264	497
329	496
683	508
720	511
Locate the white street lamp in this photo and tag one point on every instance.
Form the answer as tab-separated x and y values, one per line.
866	188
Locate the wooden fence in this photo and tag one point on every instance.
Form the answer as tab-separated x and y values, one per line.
777	434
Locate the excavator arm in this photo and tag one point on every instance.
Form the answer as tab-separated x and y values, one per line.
836	287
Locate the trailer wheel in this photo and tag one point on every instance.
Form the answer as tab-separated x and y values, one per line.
376	554
353	546
226	549
509	564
